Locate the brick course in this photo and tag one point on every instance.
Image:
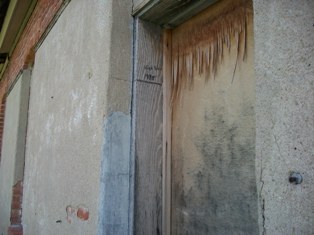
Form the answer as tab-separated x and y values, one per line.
16	210
15	230
2	113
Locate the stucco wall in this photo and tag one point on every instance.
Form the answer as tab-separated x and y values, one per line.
73	86
12	162
284	62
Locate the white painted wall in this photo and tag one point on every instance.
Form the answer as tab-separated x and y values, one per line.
73	89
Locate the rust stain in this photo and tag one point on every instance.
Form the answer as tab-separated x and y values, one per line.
198	45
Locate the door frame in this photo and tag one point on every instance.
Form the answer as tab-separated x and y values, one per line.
152	34
154	20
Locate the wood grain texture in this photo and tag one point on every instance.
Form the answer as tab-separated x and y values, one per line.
148	163
213	146
148	53
170	13
147	106
200	42
167	116
138	5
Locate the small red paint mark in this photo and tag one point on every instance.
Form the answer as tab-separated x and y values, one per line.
82	213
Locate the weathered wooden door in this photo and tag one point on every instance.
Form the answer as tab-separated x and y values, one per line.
212	183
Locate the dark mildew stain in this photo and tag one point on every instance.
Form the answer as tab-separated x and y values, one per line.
223	198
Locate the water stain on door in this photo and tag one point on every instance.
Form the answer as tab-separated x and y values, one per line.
213	183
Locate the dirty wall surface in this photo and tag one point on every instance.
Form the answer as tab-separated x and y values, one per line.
284	62
12	158
213	145
71	87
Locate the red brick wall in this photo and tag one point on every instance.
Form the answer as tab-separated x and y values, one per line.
21	58
16	210
15	230
23	54
2	114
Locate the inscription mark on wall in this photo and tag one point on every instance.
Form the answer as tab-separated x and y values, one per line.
152	74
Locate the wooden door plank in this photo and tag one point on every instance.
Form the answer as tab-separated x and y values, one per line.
213	125
148	63
147	114
139	5
148	163
167	113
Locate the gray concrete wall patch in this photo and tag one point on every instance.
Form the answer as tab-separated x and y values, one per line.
115	173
